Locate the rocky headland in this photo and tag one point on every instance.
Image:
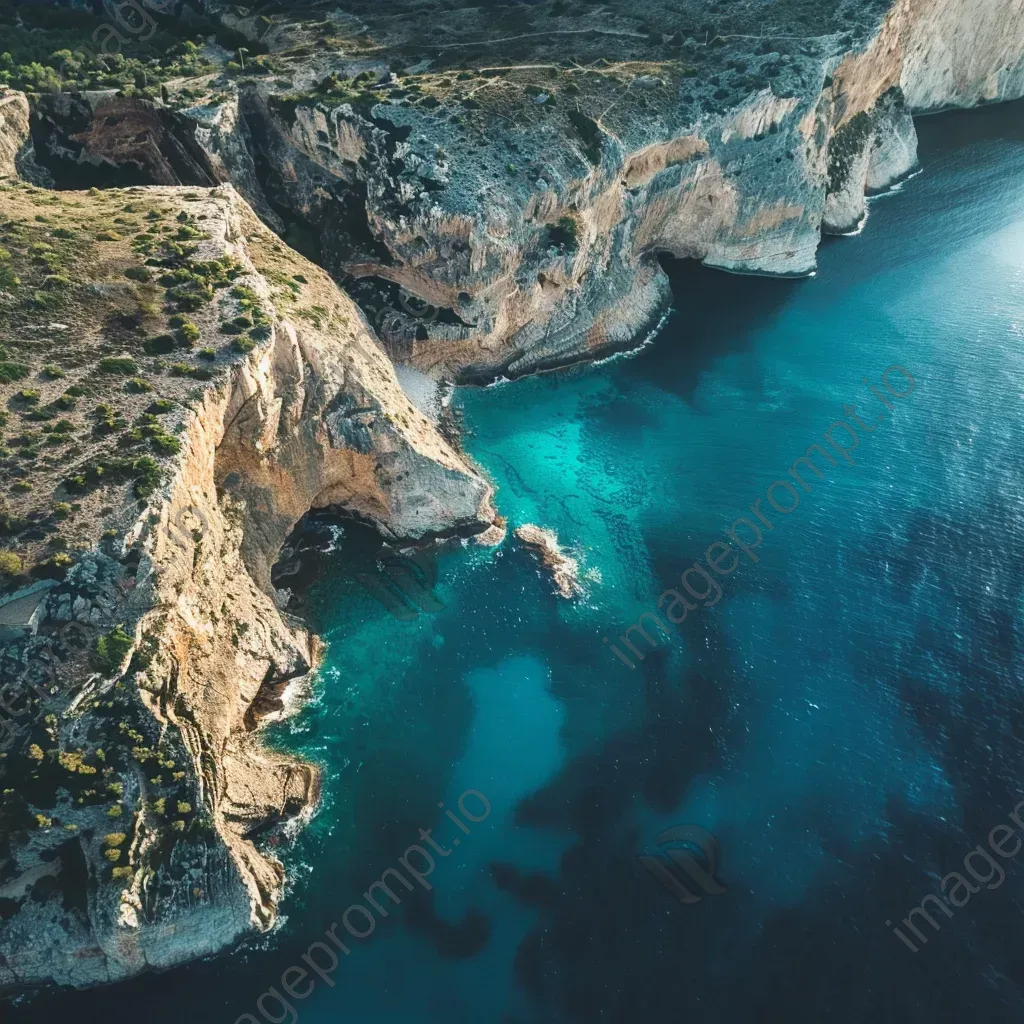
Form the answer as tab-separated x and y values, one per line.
480	192
157	463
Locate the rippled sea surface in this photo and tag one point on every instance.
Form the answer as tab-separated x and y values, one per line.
845	718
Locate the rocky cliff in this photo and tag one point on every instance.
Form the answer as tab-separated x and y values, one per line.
516	179
526	199
493	187
138	799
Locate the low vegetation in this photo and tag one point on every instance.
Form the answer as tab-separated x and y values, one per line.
88	427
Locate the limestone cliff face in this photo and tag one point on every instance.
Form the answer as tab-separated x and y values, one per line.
14	115
525	200
537	226
313	417
17	154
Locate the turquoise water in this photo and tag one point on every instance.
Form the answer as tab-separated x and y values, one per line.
846	718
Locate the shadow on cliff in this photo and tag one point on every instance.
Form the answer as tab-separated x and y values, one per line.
714	314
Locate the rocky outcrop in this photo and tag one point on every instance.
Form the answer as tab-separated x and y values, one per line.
868	153
17	153
14	117
525	201
564	570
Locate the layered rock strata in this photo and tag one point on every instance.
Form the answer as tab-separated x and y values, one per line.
528	200
523	203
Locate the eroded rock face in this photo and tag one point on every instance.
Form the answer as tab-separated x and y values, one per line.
14	115
526	200
531	203
138	793
17	153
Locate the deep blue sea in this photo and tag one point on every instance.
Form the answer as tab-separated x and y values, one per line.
846	717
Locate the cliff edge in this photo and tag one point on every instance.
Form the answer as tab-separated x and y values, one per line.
180	389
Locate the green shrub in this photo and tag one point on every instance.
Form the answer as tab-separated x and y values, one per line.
112	648
55	567
130	437
188	333
165	444
161	405
243	345
138	274
53	372
10	563
61	510
159	345
118	364
8	278
138	386
144	471
105	426
147	471
10	525
207	353
11	371
236	326
261	325
191	296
